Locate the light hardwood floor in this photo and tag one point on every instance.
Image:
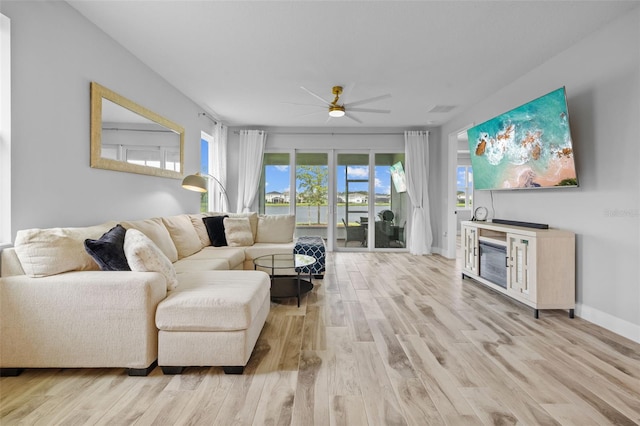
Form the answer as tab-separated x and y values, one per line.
384	339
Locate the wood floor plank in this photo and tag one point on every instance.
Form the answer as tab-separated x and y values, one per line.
383	339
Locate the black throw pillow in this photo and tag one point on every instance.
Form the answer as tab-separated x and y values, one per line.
215	229
108	251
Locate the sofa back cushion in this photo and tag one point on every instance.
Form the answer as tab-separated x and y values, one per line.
44	252
275	228
157	232
201	230
183	235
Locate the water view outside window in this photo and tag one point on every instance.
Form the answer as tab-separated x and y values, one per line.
312	194
275	184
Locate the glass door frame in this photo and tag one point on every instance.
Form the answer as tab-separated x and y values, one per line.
330	188
371	207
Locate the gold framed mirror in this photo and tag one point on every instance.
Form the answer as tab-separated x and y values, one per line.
127	137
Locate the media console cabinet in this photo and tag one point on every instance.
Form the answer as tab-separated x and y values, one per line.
533	266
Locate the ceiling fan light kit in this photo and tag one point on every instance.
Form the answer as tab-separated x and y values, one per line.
336	110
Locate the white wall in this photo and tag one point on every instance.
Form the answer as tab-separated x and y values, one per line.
602	78
56	53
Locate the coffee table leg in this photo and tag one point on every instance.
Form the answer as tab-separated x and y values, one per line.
298	289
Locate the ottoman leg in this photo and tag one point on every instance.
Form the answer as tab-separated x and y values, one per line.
233	370
172	370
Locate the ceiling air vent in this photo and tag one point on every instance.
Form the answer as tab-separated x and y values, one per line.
442	108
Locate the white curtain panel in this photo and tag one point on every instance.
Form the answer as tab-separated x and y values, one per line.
218	168
417	171
251	150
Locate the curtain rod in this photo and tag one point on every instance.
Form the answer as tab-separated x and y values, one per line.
200	114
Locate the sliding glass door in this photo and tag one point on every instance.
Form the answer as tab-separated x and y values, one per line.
390	201
371	201
352	200
312	194
356	201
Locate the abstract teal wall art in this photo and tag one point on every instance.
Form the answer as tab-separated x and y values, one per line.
527	147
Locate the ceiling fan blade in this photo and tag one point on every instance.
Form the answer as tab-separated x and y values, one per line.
299	104
366	101
311	113
346	92
316	95
353	118
380	111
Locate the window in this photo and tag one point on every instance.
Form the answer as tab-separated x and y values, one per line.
275	184
312	194
205	140
5	130
464	187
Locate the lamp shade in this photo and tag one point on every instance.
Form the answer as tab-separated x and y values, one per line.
196	183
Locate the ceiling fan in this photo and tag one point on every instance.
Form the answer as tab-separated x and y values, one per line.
336	109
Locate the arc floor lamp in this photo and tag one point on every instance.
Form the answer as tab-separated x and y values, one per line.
198	183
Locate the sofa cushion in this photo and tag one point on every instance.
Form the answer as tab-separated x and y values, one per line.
201	230
215	230
44	252
218	301
263	249
275	228
183	234
233	255
108	250
157	232
194	265
144	256
238	231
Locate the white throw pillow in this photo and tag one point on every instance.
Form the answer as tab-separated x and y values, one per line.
144	256
157	232
237	230
276	228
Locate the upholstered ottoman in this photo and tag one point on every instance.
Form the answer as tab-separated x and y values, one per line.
213	318
312	246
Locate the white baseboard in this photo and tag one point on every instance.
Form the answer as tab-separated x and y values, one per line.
619	326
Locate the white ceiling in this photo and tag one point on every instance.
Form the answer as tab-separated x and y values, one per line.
244	61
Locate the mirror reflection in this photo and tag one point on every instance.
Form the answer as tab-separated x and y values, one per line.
128	137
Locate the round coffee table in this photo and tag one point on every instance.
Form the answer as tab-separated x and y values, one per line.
286	286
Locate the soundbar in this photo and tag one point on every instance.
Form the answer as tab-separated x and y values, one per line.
518	223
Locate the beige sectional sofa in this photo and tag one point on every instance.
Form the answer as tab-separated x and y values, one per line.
204	306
